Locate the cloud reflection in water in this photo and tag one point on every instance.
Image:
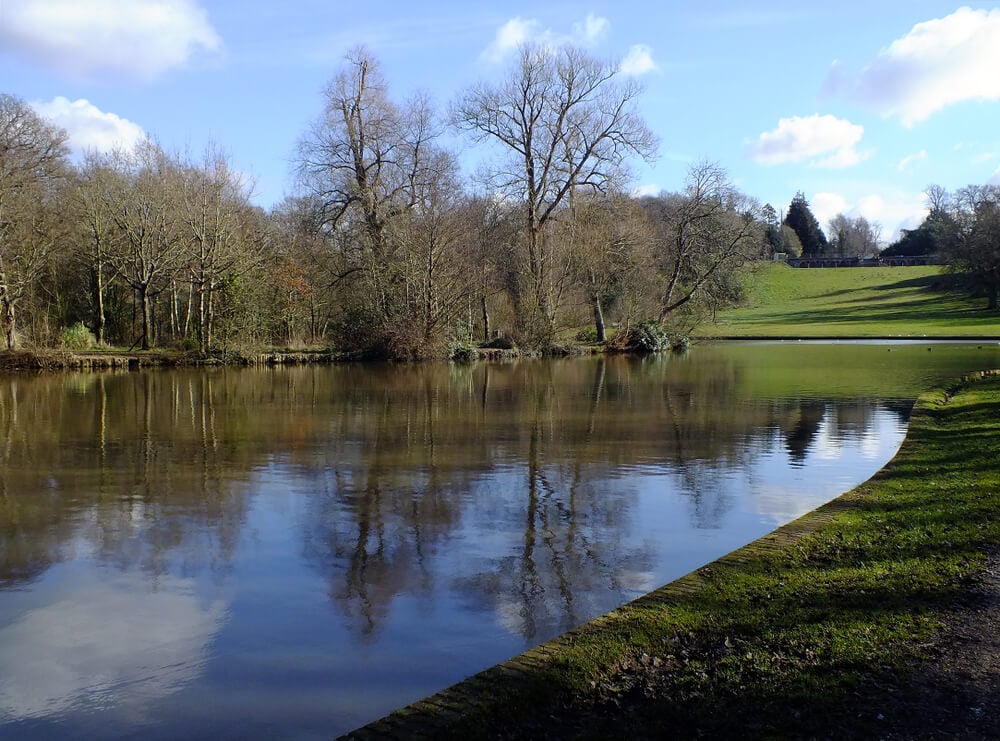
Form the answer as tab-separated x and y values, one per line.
106	645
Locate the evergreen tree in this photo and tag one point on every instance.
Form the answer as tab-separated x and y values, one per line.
772	228
934	235
801	220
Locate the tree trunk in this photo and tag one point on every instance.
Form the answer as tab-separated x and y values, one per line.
175	314
187	312
9	322
209	320
595	300
202	320
598	318
542	322
99	320
144	310
486	318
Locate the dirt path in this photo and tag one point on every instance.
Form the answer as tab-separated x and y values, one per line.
956	693
953	694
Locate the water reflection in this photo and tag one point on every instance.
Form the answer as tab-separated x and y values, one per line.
186	552
105	645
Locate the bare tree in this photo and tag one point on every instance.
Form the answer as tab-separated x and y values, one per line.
564	122
216	210
145	205
609	240
430	236
94	204
855	237
366	162
302	264
975	248
701	236
489	257
32	160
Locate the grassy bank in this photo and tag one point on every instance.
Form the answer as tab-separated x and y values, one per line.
112	358
803	633
855	302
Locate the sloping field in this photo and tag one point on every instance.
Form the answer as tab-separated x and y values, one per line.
789	302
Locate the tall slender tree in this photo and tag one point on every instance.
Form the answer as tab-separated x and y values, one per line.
215	210
366	162
565	122
801	219
145	206
701	236
32	160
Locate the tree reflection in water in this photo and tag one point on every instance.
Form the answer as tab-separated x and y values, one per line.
488	506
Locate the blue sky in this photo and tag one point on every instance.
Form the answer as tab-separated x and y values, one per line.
860	105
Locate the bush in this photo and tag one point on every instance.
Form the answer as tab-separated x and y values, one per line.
503	342
649	337
186	344
463	353
77	337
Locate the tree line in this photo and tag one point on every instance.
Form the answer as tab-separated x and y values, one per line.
385	250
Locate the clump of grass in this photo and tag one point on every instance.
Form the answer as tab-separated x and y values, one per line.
77	337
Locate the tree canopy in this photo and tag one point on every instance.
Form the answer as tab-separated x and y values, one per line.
386	249
801	220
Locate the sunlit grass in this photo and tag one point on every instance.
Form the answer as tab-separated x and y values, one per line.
855	302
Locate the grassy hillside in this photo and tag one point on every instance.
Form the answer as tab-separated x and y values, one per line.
854	302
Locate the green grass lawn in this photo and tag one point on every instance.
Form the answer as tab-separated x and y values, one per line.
855	302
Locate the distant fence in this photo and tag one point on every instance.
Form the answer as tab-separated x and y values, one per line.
857	262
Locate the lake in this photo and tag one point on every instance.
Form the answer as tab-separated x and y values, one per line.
297	551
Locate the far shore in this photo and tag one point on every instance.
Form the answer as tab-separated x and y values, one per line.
114	359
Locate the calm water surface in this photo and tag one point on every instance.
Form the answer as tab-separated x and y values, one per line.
295	552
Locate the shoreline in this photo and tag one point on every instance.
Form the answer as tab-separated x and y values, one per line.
100	360
636	664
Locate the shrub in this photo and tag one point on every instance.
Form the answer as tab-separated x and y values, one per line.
77	337
649	337
503	342
186	344
463	353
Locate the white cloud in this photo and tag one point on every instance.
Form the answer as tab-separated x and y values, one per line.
89	127
648	189
894	210
638	61
591	30
995	178
907	162
827	205
519	31
140	39
510	36
823	141
939	63
113	641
